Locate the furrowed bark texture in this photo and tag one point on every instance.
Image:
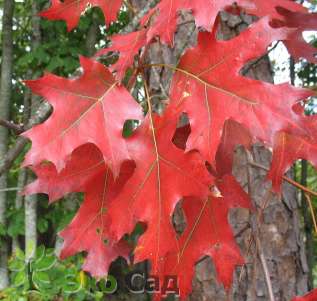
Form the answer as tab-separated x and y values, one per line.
279	232
5	97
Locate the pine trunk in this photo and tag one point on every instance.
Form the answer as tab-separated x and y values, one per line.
279	248
280	243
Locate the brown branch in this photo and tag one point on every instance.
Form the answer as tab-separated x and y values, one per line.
290	181
265	269
254	63
312	211
255	227
41	115
18	129
45	109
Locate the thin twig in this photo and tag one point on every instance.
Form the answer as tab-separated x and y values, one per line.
255	226
254	63
259	221
41	115
265	270
289	180
312	211
10	189
130	6
45	109
18	129
294	183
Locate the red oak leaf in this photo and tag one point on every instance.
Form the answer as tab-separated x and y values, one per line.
205	13
233	134
311	296
163	175
85	171
84	164
80	148
288	147
213	91
71	10
269	8
295	42
88	231
164	25
90	109
128	46
208	233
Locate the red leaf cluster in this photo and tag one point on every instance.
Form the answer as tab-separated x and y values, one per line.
81	148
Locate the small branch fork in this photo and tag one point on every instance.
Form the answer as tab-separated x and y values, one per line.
17	129
308	192
287	179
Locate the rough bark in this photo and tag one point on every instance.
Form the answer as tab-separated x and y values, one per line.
5	97
280	237
279	233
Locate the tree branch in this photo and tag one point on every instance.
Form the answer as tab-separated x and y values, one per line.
290	181
254	63
265	269
18	129
45	109
40	116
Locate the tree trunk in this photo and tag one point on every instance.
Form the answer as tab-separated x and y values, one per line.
30	201
22	178
280	247
5	97
279	234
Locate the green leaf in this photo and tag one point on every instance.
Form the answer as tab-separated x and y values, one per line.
42	225
40	252
55	63
16	224
16	265
19	254
41	280
20	278
72	283
25	59
2	230
44	264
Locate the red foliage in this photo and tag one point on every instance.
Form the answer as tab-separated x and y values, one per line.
209	87
295	43
80	148
90	109
128	46
70	10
